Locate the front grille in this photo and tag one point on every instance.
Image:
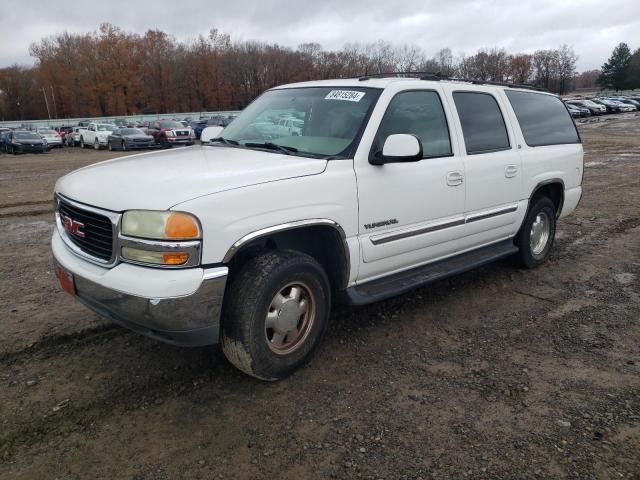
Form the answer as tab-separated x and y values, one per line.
182	133
98	231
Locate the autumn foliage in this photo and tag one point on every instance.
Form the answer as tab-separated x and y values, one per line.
112	72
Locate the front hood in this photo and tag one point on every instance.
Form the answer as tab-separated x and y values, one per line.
160	180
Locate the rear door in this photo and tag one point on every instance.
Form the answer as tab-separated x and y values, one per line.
492	164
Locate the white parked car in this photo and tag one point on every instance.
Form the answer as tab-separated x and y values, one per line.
96	135
52	137
390	184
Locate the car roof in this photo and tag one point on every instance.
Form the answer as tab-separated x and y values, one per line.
385	82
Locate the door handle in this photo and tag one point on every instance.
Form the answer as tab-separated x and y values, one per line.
454	178
510	171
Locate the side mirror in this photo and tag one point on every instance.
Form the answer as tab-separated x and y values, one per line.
209	133
402	147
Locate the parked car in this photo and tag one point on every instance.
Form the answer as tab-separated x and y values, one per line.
23	141
169	133
62	131
574	111
4	135
594	108
52	137
96	135
84	123
119	122
378	196
129	139
72	138
612	107
625	101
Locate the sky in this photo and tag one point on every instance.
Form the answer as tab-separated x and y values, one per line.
592	27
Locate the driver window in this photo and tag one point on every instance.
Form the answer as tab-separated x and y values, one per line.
419	113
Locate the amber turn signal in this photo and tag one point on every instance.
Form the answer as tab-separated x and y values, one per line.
174	258
181	225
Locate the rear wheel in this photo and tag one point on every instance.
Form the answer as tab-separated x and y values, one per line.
537	233
276	313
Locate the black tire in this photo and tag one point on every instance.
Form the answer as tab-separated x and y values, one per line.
109	146
250	295
164	143
124	146
82	145
541	208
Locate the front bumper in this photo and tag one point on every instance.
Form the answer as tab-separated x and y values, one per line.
180	307
180	140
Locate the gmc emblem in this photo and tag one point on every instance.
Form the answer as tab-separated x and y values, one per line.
73	226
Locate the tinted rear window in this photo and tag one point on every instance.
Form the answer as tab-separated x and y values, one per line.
482	122
544	120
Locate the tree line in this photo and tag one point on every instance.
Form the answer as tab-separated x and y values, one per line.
112	72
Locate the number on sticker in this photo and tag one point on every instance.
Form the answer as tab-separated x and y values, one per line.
346	95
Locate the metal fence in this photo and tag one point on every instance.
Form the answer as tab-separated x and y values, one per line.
59	122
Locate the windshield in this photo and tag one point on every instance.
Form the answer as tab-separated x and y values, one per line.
312	121
26	136
106	128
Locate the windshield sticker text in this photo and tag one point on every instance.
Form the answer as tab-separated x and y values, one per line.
346	95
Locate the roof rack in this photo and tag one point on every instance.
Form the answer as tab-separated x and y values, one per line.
420	75
437	76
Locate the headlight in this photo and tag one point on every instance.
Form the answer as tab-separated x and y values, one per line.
160	225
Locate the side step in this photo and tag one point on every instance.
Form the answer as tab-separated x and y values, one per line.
403	282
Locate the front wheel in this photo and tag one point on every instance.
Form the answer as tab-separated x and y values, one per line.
275	314
96	144
82	145
537	233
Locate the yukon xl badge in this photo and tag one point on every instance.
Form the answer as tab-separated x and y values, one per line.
383	223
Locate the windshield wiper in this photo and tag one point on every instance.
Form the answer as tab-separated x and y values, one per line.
226	141
272	146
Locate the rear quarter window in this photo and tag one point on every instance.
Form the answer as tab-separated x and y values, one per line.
544	119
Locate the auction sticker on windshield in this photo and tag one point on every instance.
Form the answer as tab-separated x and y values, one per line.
347	95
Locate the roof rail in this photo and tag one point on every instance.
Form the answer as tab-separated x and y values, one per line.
420	75
437	76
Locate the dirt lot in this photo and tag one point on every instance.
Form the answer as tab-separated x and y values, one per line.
498	373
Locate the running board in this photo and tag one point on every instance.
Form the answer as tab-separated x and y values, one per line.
403	282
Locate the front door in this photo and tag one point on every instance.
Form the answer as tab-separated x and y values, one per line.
410	212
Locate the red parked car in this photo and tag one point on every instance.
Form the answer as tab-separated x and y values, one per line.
168	133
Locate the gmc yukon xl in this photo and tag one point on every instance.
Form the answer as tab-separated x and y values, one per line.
386	184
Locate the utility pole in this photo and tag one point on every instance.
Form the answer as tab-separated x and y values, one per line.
46	102
55	107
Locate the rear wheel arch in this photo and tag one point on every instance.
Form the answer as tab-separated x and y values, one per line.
322	239
553	189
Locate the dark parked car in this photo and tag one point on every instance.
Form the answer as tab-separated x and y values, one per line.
129	139
4	134
21	141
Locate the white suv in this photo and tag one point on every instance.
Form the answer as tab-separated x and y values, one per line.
389	183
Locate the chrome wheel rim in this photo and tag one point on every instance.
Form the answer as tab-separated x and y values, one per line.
290	318
540	231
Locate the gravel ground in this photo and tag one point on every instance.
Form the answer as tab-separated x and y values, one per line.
498	373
